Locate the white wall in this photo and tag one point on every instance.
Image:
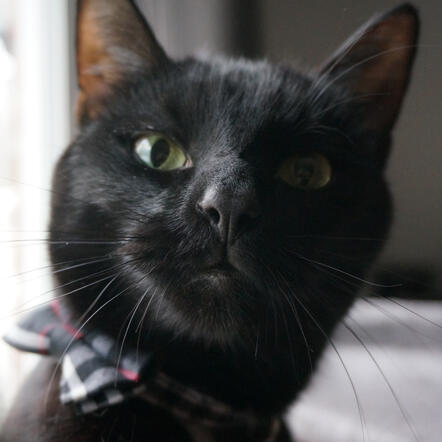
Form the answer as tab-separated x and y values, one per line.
34	127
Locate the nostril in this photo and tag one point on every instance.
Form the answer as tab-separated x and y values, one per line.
230	213
213	214
246	222
210	212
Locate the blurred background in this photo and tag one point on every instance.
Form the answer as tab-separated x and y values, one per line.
403	336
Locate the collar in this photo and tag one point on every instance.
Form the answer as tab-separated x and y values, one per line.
96	375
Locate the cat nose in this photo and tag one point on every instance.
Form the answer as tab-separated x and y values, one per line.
230	214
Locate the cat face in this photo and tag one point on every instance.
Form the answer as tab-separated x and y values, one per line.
223	200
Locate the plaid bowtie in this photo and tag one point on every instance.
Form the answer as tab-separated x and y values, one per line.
94	373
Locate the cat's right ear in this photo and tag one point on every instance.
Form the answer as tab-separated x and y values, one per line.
114	42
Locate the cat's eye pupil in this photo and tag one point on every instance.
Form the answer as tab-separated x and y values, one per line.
304	171
160	152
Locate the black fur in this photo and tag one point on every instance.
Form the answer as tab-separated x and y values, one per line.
250	335
237	137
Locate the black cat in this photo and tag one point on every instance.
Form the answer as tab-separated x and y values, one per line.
210	209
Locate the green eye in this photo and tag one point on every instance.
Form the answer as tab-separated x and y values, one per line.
160	153
306	171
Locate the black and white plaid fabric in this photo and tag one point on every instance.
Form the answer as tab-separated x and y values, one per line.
94	374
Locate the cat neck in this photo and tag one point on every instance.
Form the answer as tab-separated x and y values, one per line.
265	382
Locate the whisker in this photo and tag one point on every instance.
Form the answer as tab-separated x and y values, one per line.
55	192
374	284
353	238
64	232
346	101
341	74
382	268
289	340
394	318
66	242
48	266
390	387
394	301
388	298
140	322
60	359
336	61
64	269
132	315
256	344
67	284
333	345
297	319
19	312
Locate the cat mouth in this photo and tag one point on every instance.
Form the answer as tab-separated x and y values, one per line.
225	269
221	270
220	275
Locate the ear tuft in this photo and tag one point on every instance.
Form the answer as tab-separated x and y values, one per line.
376	62
113	42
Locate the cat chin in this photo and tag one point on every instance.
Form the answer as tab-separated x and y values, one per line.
207	309
206	326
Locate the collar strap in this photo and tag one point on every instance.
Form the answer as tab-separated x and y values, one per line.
192	406
96	375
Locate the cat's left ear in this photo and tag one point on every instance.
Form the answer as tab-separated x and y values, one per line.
375	64
114	42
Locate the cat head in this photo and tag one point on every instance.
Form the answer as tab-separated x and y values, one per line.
216	199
